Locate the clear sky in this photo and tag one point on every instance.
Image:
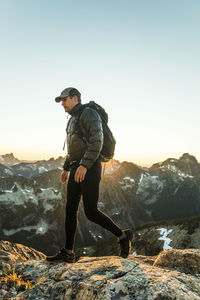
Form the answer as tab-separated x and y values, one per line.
139	59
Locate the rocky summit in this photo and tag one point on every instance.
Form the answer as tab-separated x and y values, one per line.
173	274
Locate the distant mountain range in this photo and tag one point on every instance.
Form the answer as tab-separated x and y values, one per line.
10	165
32	199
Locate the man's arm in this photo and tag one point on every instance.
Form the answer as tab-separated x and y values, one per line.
65	172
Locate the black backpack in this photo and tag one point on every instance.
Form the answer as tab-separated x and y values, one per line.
109	142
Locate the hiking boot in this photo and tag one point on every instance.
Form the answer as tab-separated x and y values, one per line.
125	243
60	256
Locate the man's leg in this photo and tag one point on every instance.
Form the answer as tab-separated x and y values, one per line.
90	192
73	200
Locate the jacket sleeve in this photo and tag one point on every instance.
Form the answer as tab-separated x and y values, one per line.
66	165
92	126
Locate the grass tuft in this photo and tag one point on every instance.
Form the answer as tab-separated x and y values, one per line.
16	280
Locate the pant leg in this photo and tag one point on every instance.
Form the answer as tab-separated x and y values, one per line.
90	192
73	200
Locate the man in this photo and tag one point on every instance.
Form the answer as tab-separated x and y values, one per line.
83	165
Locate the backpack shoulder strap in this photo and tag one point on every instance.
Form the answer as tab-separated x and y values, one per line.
79	128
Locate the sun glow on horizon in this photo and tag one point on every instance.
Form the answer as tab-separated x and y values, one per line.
137	159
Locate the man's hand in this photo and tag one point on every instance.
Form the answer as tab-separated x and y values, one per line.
64	176
80	174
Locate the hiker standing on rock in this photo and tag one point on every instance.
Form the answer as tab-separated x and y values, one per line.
82	170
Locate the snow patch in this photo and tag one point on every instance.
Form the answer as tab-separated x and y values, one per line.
175	170
8	172
185	175
42	169
149	212
127	178
127	186
147	185
141	178
164	232
40	228
127	182
177	188
21	168
20	197
152	200
172	168
47	196
95	236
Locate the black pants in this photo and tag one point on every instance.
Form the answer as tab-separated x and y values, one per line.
89	189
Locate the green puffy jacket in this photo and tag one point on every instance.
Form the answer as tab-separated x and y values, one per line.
83	150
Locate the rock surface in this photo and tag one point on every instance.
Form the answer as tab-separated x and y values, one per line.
173	274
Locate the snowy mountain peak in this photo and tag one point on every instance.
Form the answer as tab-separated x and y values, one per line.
185	166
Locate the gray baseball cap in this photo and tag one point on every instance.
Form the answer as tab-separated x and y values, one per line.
70	91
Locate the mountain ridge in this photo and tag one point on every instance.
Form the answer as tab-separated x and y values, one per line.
33	208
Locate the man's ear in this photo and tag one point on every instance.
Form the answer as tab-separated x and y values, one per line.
75	99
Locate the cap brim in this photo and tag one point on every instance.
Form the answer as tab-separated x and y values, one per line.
58	99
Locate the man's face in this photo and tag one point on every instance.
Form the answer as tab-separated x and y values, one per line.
68	103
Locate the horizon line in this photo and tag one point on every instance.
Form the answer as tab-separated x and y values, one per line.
147	165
